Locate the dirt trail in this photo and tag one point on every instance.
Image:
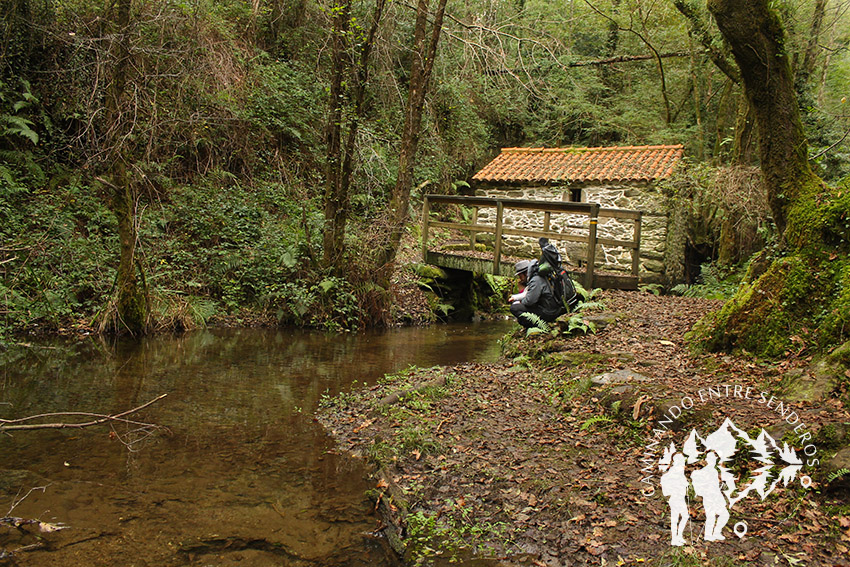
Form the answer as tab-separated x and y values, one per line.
531	462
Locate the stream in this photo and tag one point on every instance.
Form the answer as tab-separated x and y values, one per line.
243	475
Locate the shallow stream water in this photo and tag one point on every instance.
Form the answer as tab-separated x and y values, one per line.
243	476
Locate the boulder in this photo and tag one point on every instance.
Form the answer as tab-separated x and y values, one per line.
812	385
621	376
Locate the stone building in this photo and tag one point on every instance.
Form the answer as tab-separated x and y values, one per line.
615	177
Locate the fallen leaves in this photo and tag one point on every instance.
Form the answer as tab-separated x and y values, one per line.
500	449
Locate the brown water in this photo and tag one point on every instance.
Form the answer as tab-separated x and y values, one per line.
245	476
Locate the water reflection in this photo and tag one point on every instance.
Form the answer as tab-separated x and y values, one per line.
245	475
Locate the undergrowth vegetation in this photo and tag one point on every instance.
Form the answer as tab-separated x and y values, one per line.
195	137
213	252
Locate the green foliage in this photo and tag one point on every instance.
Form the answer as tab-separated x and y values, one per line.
835	475
286	101
587	297
57	266
595	420
576	323
715	282
539	326
216	249
450	535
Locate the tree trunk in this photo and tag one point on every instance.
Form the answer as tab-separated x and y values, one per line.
698	28
351	93
757	39
807	68
803	293
336	196
130	296
743	149
421	66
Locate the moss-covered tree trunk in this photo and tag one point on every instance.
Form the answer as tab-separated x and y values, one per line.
757	39
131	303
801	297
130	293
336	193
349	77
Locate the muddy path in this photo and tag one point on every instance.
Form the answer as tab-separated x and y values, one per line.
553	456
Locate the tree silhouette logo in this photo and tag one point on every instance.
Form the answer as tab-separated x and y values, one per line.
713	482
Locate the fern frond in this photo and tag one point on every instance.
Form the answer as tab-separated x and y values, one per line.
586	305
835	475
594	420
539	325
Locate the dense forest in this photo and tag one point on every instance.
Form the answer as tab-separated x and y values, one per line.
165	163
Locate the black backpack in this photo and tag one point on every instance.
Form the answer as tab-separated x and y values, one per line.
557	276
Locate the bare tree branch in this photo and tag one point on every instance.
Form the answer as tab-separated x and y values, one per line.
827	150
655	55
20	425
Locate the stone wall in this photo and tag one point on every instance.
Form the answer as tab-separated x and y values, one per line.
645	198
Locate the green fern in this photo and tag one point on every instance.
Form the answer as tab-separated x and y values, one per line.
588	305
444	308
585	294
835	475
577	322
594	420
654	289
539	325
19	126
680	289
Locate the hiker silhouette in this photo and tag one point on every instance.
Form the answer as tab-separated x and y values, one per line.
706	483
674	485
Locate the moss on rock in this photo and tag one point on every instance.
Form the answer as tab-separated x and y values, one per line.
802	297
797	300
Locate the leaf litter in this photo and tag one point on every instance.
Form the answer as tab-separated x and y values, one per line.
528	461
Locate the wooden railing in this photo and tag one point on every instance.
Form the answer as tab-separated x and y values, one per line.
499	230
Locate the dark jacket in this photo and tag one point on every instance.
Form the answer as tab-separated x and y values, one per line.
540	299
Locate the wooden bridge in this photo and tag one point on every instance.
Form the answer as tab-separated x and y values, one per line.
494	262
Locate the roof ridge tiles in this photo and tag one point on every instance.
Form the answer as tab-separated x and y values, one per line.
576	149
599	164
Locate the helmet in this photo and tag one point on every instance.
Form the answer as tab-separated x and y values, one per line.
522	266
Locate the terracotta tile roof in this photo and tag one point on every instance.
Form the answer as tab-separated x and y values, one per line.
549	166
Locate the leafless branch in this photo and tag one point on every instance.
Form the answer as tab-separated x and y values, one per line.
827	150
18	499
20	425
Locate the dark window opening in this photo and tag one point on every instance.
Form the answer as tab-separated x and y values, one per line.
575	195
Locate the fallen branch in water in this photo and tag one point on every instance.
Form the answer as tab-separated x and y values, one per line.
43	527
20	425
21	523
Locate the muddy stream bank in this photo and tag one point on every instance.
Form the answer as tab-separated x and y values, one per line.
554	455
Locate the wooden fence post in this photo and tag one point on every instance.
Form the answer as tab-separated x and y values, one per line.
426	215
636	249
591	246
497	252
472	232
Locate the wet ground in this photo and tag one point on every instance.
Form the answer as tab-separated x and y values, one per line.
243	475
553	456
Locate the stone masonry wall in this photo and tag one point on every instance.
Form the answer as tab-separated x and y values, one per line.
647	199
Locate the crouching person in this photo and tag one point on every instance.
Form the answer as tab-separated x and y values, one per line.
536	296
